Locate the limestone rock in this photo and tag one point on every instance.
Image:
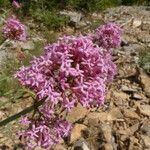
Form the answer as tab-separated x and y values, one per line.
74	16
128	113
94	118
77	132
76	114
127	89
145	82
144	109
146	140
80	145
115	114
136	96
29	45
59	147
145	128
136	23
108	146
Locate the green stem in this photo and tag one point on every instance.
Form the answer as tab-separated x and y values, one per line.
23	112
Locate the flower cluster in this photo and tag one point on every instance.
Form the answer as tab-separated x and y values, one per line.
44	133
109	35
73	70
14	29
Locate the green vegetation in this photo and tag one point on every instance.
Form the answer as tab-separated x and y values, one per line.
9	87
144	60
47	12
50	19
137	2
4	3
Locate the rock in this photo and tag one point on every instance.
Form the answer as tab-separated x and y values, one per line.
29	45
136	23
5	51
4	54
134	145
145	25
108	146
136	96
59	147
107	132
115	114
129	131
145	128
127	40
146	140
144	109
80	145
1	135
128	113
3	100
76	114
69	31
38	148
74	16
120	95
125	88
94	118
128	69
77	132
97	16
81	24
145	82
144	38
132	49
2	114
124	43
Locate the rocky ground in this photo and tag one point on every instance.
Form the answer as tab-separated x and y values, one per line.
123	123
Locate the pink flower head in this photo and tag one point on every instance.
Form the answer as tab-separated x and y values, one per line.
44	133
16	4
75	69
14	29
109	35
25	121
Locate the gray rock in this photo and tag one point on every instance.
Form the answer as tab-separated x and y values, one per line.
145	82
77	114
146	140
80	145
76	132
145	128
144	38
144	109
136	96
127	89
74	16
146	25
136	23
81	24
29	45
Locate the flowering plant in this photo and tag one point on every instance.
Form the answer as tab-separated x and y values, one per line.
14	29
75	69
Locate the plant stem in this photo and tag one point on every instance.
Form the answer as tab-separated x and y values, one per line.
18	115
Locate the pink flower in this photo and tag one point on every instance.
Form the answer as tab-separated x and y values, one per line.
75	69
25	121
109	35
44	133
16	4
14	29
